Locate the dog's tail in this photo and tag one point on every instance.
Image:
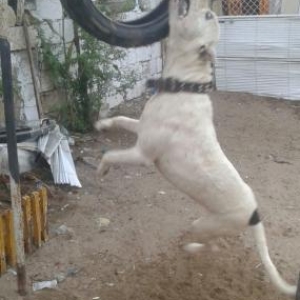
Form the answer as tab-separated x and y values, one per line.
277	280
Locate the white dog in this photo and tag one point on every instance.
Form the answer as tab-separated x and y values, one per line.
177	135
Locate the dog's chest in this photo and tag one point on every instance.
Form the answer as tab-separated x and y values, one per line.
175	111
173	118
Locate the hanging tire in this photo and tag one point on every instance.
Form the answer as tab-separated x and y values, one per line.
144	31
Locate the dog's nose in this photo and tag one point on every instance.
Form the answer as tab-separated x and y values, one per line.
208	16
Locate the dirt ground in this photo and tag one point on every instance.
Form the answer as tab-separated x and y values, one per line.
125	231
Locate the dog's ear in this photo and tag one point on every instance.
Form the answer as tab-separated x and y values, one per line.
181	8
207	53
192	22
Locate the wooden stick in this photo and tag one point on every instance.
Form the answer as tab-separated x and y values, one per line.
2	248
44	212
32	68
10	246
28	224
36	215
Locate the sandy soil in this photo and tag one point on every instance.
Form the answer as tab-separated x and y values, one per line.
126	231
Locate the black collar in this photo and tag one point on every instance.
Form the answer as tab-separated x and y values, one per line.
171	85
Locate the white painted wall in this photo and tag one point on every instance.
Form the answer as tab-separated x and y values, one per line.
23	83
146	62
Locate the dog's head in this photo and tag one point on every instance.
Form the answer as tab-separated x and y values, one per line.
194	25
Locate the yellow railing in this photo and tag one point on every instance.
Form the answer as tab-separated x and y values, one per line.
35	228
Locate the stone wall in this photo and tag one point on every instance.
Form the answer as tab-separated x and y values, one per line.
144	61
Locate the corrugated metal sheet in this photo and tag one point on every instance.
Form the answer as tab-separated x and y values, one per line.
260	55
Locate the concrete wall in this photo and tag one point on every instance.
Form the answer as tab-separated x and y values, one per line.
145	61
25	105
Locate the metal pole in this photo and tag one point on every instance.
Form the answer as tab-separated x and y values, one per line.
13	162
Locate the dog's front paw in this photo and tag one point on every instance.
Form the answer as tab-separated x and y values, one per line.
103	124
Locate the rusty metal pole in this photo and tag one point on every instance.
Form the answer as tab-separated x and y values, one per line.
13	162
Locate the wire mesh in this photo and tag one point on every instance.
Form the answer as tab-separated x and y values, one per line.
258	51
248	7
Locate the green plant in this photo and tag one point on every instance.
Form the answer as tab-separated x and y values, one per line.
113	8
84	72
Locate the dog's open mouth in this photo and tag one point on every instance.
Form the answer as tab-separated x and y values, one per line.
183	8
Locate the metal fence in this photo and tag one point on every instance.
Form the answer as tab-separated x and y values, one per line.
255	7
258	51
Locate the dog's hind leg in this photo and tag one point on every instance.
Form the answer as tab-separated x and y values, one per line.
120	122
132	156
215	226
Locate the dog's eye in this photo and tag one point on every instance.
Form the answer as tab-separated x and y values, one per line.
209	16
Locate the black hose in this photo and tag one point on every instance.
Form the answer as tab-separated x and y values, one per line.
28	133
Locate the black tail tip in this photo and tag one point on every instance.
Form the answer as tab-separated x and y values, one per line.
255	219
